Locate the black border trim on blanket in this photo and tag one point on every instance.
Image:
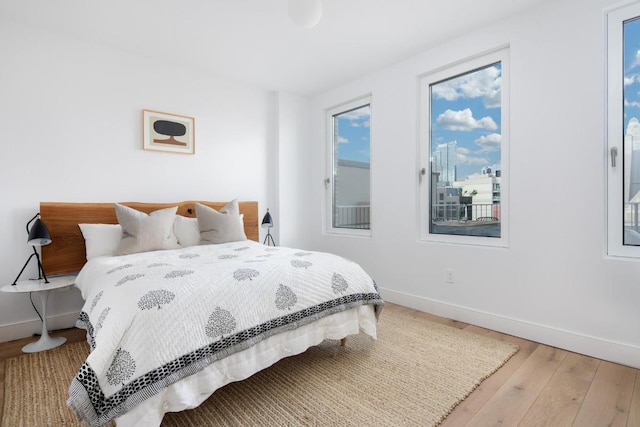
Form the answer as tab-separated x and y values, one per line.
87	399
83	323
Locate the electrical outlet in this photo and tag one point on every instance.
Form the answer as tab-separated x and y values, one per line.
451	276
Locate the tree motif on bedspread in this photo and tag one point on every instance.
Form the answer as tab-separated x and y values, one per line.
220	322
120	267
122	368
285	298
303	253
95	301
338	283
157	264
157	298
245	274
129	278
177	273
301	264
225	256
188	256
101	319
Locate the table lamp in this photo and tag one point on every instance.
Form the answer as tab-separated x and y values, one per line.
38	236
267	222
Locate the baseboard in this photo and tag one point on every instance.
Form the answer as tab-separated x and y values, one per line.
26	329
617	352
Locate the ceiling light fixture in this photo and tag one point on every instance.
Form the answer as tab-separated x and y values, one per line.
305	13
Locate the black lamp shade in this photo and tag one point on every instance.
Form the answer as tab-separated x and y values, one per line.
267	221
39	234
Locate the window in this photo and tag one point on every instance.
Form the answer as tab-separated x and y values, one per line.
464	152
623	131
348	181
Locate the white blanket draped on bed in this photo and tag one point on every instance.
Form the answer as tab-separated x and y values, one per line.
155	318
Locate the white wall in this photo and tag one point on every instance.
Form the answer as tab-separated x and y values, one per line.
294	179
553	283
71	120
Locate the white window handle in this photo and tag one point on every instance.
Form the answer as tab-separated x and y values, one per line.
421	173
614	154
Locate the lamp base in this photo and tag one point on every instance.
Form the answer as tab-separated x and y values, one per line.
268	240
41	273
44	343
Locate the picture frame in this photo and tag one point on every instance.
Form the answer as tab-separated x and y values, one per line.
172	133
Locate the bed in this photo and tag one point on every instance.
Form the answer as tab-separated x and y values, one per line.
168	323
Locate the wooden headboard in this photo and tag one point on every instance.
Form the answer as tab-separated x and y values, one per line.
67	254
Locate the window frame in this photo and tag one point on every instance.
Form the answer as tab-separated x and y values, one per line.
353	104
614	19
462	67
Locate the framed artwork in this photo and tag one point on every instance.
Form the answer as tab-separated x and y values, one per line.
168	132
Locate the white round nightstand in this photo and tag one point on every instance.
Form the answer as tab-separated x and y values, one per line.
43	290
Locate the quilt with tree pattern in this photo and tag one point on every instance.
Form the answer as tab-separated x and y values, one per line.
154	318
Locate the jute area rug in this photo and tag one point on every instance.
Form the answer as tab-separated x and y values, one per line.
413	375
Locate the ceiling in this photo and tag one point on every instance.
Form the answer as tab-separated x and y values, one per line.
255	43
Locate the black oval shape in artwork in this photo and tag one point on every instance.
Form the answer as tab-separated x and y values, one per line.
165	127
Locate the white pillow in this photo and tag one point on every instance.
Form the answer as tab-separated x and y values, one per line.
187	231
101	239
220	227
142	232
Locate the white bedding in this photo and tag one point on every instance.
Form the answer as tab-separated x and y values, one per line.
192	391
167	328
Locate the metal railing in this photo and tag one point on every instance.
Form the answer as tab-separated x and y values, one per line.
631	216
352	216
465	212
358	216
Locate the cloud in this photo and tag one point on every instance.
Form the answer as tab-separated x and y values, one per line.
628	103
492	99
463	120
485	83
630	79
358	113
356	124
489	142
464	159
446	91
342	140
636	61
360	117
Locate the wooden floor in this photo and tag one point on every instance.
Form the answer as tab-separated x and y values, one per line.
539	386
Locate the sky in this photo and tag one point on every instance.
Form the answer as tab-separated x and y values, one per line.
354	139
631	70
466	109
